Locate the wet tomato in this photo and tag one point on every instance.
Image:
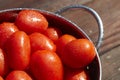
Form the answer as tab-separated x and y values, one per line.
18	50
39	41
18	75
1	78
53	33
3	63
31	21
6	30
62	41
76	75
78	53
46	65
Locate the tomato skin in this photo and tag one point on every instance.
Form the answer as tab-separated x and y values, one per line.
18	75
78	53
46	65
18	50
3	63
52	33
6	30
31	21
76	75
62	41
1	78
39	41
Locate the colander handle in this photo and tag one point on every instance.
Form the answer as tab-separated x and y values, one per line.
95	15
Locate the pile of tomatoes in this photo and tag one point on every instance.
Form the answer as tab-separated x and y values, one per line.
31	49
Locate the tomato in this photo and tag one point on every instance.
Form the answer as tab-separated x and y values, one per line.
53	33
31	21
76	75
62	41
40	42
18	50
1	78
18	75
6	30
46	65
3	63
78	53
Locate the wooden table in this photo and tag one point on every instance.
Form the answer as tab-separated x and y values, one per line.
109	10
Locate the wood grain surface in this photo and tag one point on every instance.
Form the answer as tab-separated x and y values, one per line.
109	10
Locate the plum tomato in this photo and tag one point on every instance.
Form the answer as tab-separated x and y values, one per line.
1	78
18	50
39	41
6	30
78	53
53	33
46	65
3	63
18	75
62	41
31	21
77	74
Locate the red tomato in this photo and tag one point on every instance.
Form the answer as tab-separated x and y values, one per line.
40	42
18	50
76	75
46	65
1	78
18	75
62	41
52	33
6	30
31	21
78	53
3	63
